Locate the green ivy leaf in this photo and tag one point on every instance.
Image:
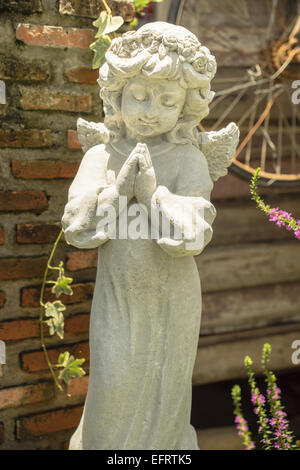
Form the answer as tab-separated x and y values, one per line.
113	24
100	47
61	286
71	367
133	23
56	321
107	24
101	22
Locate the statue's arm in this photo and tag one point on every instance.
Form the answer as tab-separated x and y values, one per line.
185	225
93	202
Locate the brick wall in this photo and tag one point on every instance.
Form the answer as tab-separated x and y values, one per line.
45	63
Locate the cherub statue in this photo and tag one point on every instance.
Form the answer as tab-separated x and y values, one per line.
145	318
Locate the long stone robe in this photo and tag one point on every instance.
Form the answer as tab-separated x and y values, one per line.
146	309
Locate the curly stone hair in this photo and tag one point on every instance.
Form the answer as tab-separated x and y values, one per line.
159	50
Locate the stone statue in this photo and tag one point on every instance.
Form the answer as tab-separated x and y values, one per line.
145	319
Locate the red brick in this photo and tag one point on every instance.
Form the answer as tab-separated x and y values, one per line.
49	422
46	100
23	395
37	233
92	8
19	329
19	201
2	299
35	361
1	236
54	36
21	6
16	330
78	387
29	138
73	142
1	433
44	169
77	323
12	69
82	260
82	75
30	296
21	268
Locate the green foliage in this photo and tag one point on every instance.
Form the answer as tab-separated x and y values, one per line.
56	322
107	24
140	5
70	367
54	312
62	283
273	426
99	47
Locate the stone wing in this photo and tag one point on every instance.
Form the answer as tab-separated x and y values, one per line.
91	134
219	148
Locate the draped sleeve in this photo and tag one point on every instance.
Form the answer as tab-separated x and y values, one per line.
185	215
90	193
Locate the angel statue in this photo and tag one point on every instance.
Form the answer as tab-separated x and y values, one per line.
146	310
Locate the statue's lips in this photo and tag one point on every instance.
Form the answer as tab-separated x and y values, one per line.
148	123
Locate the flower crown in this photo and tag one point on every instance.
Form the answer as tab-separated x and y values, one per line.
188	49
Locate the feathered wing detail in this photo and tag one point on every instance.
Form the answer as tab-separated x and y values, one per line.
91	134
219	148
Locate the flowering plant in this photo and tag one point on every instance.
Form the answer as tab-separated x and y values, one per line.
273	426
280	217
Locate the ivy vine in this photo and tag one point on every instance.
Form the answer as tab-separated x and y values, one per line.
51	314
107	25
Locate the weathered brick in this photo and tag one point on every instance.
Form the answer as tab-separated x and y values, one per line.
92	8
82	260
82	75
79	386
1	236
21	6
56	101
21	268
29	138
44	169
37	233
13	69
2	299
35	361
23	395
1	433
30	296
73	142
54	36
16	330
77	323
19	201
49	422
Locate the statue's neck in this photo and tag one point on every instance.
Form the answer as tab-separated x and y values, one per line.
156	147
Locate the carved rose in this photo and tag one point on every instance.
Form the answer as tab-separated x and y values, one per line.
200	64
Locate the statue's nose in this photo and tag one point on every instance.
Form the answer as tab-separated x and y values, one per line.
151	111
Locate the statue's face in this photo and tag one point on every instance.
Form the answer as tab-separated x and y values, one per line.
151	107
